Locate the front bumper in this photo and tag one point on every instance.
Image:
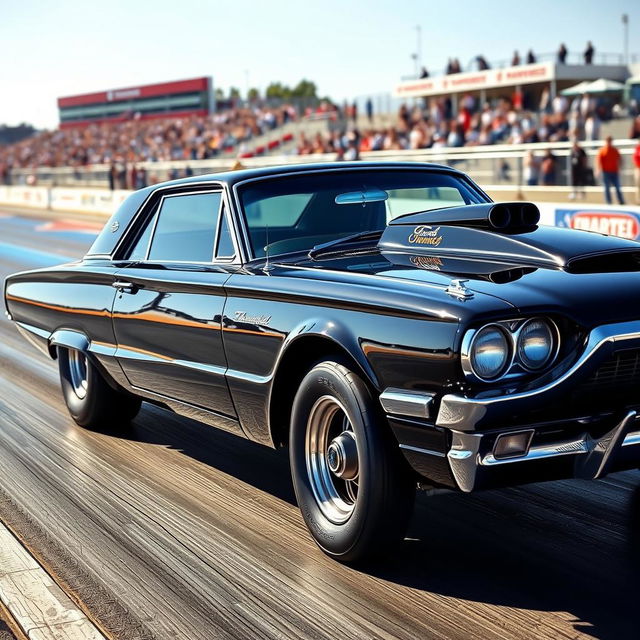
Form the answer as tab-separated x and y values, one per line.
454	446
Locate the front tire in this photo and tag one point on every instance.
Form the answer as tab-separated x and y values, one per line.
352	484
89	398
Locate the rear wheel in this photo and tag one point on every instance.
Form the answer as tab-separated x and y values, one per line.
353	486
89	398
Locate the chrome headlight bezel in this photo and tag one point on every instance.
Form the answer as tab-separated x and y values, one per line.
469	344
514	367
553	350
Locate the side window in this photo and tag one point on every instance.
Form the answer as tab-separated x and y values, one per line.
225	248
186	227
140	248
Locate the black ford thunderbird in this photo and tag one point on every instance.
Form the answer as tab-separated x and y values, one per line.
387	322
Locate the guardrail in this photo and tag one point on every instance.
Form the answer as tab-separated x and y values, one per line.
492	164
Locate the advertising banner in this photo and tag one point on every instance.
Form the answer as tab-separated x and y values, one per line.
622	221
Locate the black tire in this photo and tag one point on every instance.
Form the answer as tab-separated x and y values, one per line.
385	488
97	405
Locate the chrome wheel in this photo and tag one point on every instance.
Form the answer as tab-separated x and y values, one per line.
78	373
331	454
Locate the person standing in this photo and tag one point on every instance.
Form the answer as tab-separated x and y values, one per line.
531	169
548	168
636	171
608	165
562	54
369	108
578	170
531	59
588	53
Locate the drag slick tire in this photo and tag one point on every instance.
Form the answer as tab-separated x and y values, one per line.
354	488
91	401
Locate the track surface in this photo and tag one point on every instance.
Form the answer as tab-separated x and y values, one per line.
177	530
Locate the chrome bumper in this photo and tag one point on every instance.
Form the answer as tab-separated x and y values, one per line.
594	457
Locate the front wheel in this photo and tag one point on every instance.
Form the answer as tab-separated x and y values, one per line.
89	398
352	484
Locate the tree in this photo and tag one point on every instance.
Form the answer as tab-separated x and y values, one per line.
219	94
305	89
234	93
253	94
278	90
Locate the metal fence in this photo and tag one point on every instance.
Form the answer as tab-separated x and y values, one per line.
487	165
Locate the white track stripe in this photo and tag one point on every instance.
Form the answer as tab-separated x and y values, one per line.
39	606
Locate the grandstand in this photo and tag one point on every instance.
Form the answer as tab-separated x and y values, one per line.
484	121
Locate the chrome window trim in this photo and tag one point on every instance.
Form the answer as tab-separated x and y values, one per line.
184	194
224	215
381	167
214	185
512	335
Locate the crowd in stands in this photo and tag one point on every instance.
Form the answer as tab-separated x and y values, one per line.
138	140
433	126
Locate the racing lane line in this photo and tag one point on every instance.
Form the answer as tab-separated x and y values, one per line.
39	606
36	256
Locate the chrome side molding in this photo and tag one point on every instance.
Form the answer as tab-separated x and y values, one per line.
415	404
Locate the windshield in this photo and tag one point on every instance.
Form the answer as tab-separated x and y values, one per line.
296	213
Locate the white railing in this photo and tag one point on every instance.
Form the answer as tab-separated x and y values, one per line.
484	163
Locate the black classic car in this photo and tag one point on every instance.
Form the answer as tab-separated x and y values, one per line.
387	322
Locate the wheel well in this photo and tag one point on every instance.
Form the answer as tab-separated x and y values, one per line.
292	368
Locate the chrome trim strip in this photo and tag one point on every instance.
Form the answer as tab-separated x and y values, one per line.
450	416
631	439
406	403
429	452
564	448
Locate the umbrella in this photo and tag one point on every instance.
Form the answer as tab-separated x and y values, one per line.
603	86
577	89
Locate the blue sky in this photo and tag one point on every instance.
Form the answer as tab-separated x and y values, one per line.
49	49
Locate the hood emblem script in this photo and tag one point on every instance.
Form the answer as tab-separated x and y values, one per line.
457	289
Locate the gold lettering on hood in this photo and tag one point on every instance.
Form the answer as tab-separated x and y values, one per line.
424	234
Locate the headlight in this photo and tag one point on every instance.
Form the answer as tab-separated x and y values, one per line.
489	353
535	344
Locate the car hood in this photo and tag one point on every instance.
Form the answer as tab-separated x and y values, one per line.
590	299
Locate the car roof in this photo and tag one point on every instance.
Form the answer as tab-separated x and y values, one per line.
239	175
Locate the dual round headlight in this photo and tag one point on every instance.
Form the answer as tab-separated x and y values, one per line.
494	349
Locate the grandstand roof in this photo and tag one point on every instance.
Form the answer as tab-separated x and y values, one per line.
537	73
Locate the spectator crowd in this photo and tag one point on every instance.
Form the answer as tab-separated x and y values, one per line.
508	121
140	140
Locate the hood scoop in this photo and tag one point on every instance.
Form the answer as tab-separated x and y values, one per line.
507	233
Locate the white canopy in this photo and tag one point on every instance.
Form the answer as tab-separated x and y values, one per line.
603	86
576	89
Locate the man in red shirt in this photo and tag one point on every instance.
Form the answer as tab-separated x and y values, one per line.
608	164
636	162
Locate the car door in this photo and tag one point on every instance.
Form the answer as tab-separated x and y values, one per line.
168	311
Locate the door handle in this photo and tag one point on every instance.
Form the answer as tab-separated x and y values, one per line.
127	287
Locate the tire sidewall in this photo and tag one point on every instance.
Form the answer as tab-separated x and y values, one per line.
331	378
81	409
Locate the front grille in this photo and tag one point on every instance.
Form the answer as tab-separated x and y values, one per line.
620	373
